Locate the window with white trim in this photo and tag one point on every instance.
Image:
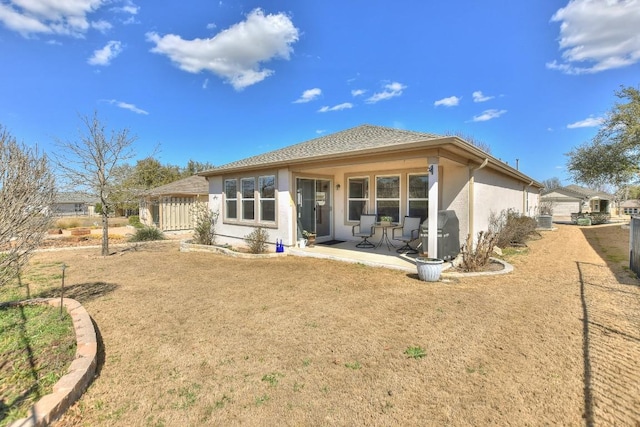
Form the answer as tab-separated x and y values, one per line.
248	195
231	198
358	197
388	196
267	190
418	195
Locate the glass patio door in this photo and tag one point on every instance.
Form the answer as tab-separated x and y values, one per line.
314	207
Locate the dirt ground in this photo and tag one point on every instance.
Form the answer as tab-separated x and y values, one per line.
204	339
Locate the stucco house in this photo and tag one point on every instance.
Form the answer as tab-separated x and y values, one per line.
323	185
171	207
74	204
573	199
630	207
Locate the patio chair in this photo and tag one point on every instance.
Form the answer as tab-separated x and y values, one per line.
365	229
407	233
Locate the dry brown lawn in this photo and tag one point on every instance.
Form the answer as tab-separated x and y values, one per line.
204	339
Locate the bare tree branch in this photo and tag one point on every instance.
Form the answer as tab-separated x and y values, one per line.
27	193
90	163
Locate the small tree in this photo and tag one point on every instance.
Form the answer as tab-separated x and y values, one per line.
474	258
27	194
89	163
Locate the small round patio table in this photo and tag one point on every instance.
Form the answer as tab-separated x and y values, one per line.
385	235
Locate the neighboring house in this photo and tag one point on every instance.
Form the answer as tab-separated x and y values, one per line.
172	206
74	204
630	207
574	199
323	185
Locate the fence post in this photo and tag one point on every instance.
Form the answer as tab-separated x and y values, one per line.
634	245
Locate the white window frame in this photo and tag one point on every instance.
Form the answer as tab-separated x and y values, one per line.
364	199
262	199
417	199
246	198
228	199
390	199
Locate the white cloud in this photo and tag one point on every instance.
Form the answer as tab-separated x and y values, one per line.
106	54
127	106
597	35
235	54
102	26
205	84
488	115
62	17
211	26
358	92
478	96
589	122
343	106
451	101
308	95
391	90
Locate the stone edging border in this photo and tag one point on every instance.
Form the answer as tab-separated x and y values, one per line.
70	387
507	268
187	246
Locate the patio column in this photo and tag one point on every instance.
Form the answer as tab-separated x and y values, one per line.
432	221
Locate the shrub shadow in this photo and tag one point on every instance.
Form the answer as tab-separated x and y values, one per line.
81	292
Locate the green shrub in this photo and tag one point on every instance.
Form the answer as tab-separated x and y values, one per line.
257	240
145	234
204	232
134	220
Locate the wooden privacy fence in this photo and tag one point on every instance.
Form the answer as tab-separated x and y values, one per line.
634	245
176	213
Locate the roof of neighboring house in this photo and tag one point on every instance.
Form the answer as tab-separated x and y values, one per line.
632	203
360	140
577	192
564	191
589	193
75	197
192	186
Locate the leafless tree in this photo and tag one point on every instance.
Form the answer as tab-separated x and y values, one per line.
27	194
89	163
472	140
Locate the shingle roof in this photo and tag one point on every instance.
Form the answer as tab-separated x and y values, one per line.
588	192
193	185
75	197
360	138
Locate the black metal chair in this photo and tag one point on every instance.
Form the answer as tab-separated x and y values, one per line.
365	229
407	233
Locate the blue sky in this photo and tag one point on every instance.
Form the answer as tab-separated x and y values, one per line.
219	81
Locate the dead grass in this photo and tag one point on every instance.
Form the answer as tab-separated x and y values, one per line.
198	338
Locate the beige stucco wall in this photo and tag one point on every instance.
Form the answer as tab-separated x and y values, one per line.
494	193
233	233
